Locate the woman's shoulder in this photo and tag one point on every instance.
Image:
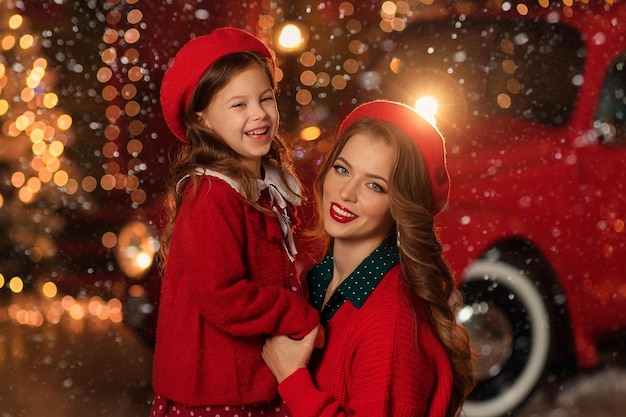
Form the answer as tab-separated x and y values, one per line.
393	301
393	286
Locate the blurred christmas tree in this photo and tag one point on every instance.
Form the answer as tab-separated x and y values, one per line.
36	178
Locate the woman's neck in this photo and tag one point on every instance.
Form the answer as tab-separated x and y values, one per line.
347	256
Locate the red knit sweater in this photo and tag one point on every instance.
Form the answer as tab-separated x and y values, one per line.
227	285
383	359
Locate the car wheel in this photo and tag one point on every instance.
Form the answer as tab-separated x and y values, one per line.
509	327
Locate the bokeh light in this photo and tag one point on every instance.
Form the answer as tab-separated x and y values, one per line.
49	289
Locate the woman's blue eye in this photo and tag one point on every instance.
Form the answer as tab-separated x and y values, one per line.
376	187
340	169
267	99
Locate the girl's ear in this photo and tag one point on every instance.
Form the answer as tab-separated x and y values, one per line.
201	119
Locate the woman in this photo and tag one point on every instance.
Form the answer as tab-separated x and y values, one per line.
393	347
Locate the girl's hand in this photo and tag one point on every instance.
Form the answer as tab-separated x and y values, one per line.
284	356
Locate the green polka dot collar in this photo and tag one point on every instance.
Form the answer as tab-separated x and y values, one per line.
356	287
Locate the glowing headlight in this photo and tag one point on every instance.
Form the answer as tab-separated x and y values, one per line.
136	246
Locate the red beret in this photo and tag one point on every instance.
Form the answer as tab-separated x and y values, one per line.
192	61
428	139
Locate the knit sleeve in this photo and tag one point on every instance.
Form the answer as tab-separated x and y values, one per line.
213	233
390	372
305	400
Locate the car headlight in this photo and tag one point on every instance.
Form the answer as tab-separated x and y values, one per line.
136	247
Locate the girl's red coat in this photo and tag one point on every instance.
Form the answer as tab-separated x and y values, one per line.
227	285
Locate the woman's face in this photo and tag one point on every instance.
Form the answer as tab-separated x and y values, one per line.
244	114
355	193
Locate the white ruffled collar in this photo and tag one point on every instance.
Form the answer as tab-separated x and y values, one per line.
271	180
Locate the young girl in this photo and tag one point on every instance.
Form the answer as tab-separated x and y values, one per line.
229	278
393	347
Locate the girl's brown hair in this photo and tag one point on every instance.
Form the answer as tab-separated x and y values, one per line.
205	149
410	200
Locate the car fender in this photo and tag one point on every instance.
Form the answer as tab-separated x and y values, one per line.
468	232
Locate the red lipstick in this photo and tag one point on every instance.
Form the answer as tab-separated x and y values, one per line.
341	214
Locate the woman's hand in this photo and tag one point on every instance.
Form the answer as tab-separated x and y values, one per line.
284	355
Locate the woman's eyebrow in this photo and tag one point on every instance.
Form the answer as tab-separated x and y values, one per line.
367	174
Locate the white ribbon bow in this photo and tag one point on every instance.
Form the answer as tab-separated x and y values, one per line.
279	195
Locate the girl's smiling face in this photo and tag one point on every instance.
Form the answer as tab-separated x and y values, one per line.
355	193
244	115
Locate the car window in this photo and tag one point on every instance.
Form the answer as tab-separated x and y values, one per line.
485	68
611	114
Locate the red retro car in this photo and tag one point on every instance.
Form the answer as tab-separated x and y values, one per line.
532	103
